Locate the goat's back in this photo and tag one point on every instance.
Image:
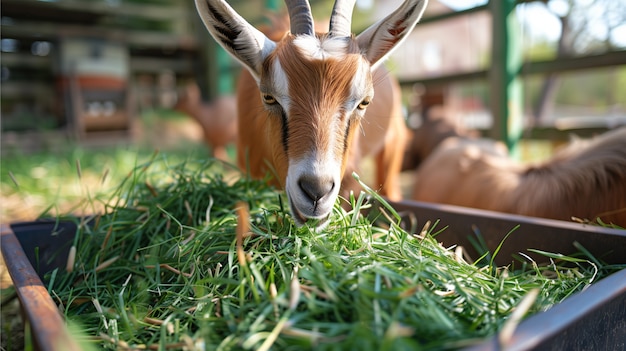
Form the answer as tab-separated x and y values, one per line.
586	179
467	172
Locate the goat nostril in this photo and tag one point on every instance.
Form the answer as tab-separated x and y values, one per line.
316	188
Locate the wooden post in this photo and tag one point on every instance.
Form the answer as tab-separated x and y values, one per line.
504	82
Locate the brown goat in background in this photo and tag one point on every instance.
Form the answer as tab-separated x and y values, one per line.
218	119
585	179
436	125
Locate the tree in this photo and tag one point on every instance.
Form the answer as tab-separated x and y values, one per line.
586	26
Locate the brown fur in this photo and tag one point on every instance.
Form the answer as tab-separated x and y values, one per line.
315	90
436	126
252	133
383	135
324	96
586	179
382	132
217	119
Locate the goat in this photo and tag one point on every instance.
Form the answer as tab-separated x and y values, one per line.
217	119
436	124
305	97
383	125
586	179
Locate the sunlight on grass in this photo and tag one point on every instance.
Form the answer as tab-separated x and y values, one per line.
52	183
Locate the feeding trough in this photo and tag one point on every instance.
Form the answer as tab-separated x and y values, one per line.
592	319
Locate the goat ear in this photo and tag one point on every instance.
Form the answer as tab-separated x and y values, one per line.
379	40
244	42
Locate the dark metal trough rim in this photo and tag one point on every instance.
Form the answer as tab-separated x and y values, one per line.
403	204
556	236
51	333
537	329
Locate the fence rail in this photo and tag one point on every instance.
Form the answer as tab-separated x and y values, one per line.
506	68
565	64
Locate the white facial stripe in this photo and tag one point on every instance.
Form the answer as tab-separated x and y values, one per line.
321	164
360	86
281	85
318	165
312	47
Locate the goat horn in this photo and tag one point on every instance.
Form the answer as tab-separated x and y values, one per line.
300	17
341	18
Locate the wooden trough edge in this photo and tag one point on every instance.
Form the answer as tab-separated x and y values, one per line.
48	327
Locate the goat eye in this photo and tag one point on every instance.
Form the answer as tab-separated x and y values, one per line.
363	105
268	99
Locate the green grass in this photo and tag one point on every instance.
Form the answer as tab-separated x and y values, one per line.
170	263
51	183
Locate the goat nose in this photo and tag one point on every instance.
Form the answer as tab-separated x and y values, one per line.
316	188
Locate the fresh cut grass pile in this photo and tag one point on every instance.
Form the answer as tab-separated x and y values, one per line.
184	257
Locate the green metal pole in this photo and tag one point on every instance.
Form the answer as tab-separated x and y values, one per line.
225	77
505	84
272	4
